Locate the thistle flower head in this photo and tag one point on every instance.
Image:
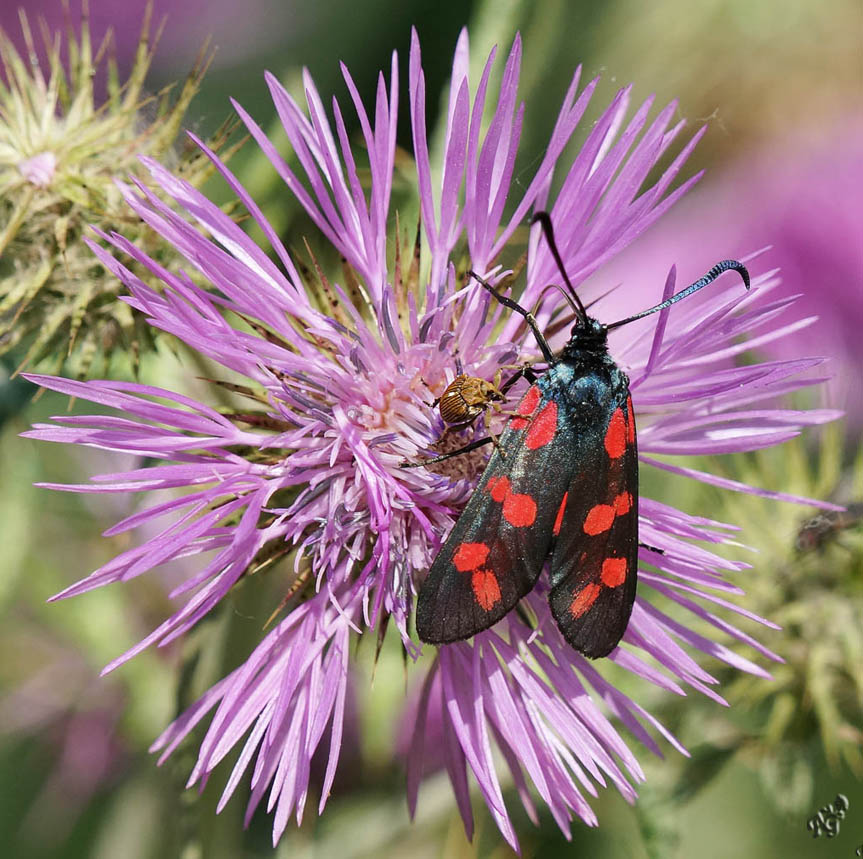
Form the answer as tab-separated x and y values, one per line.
302	474
61	147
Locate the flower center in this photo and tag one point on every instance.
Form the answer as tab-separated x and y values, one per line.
39	169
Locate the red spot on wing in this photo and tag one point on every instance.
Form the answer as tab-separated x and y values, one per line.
599	518
529	401
614	572
485	589
519	510
543	427
469	556
630	421
526	407
615	435
623	503
558	520
584	599
499	487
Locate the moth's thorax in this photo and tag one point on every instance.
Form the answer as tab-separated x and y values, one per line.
587	348
587	339
591	388
585	371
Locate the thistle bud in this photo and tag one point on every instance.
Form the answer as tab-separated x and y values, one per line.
69	127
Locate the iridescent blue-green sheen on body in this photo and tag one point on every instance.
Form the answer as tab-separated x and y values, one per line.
565	472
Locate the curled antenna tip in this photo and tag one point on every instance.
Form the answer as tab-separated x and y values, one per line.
732	264
712	275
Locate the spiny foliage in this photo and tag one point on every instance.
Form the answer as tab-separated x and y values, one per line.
62	147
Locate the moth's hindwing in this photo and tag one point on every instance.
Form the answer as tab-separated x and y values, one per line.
497	548
595	555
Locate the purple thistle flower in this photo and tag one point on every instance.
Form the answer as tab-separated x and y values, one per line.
341	377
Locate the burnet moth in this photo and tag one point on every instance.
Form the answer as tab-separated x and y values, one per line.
562	484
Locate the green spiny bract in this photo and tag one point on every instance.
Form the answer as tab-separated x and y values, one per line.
60	154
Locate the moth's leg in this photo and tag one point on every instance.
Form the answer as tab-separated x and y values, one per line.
444	456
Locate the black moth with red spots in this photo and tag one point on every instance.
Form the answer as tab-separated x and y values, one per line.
563	484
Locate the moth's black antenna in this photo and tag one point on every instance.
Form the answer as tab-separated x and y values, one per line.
544	220
563	292
528	316
566	321
719	268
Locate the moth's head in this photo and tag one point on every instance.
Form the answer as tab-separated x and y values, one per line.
589	331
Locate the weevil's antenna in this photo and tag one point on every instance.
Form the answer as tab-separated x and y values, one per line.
544	220
718	269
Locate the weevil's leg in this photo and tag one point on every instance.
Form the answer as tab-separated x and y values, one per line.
496	443
523	368
431	391
508	413
525	371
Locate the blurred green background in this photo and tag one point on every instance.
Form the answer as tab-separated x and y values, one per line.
775	79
